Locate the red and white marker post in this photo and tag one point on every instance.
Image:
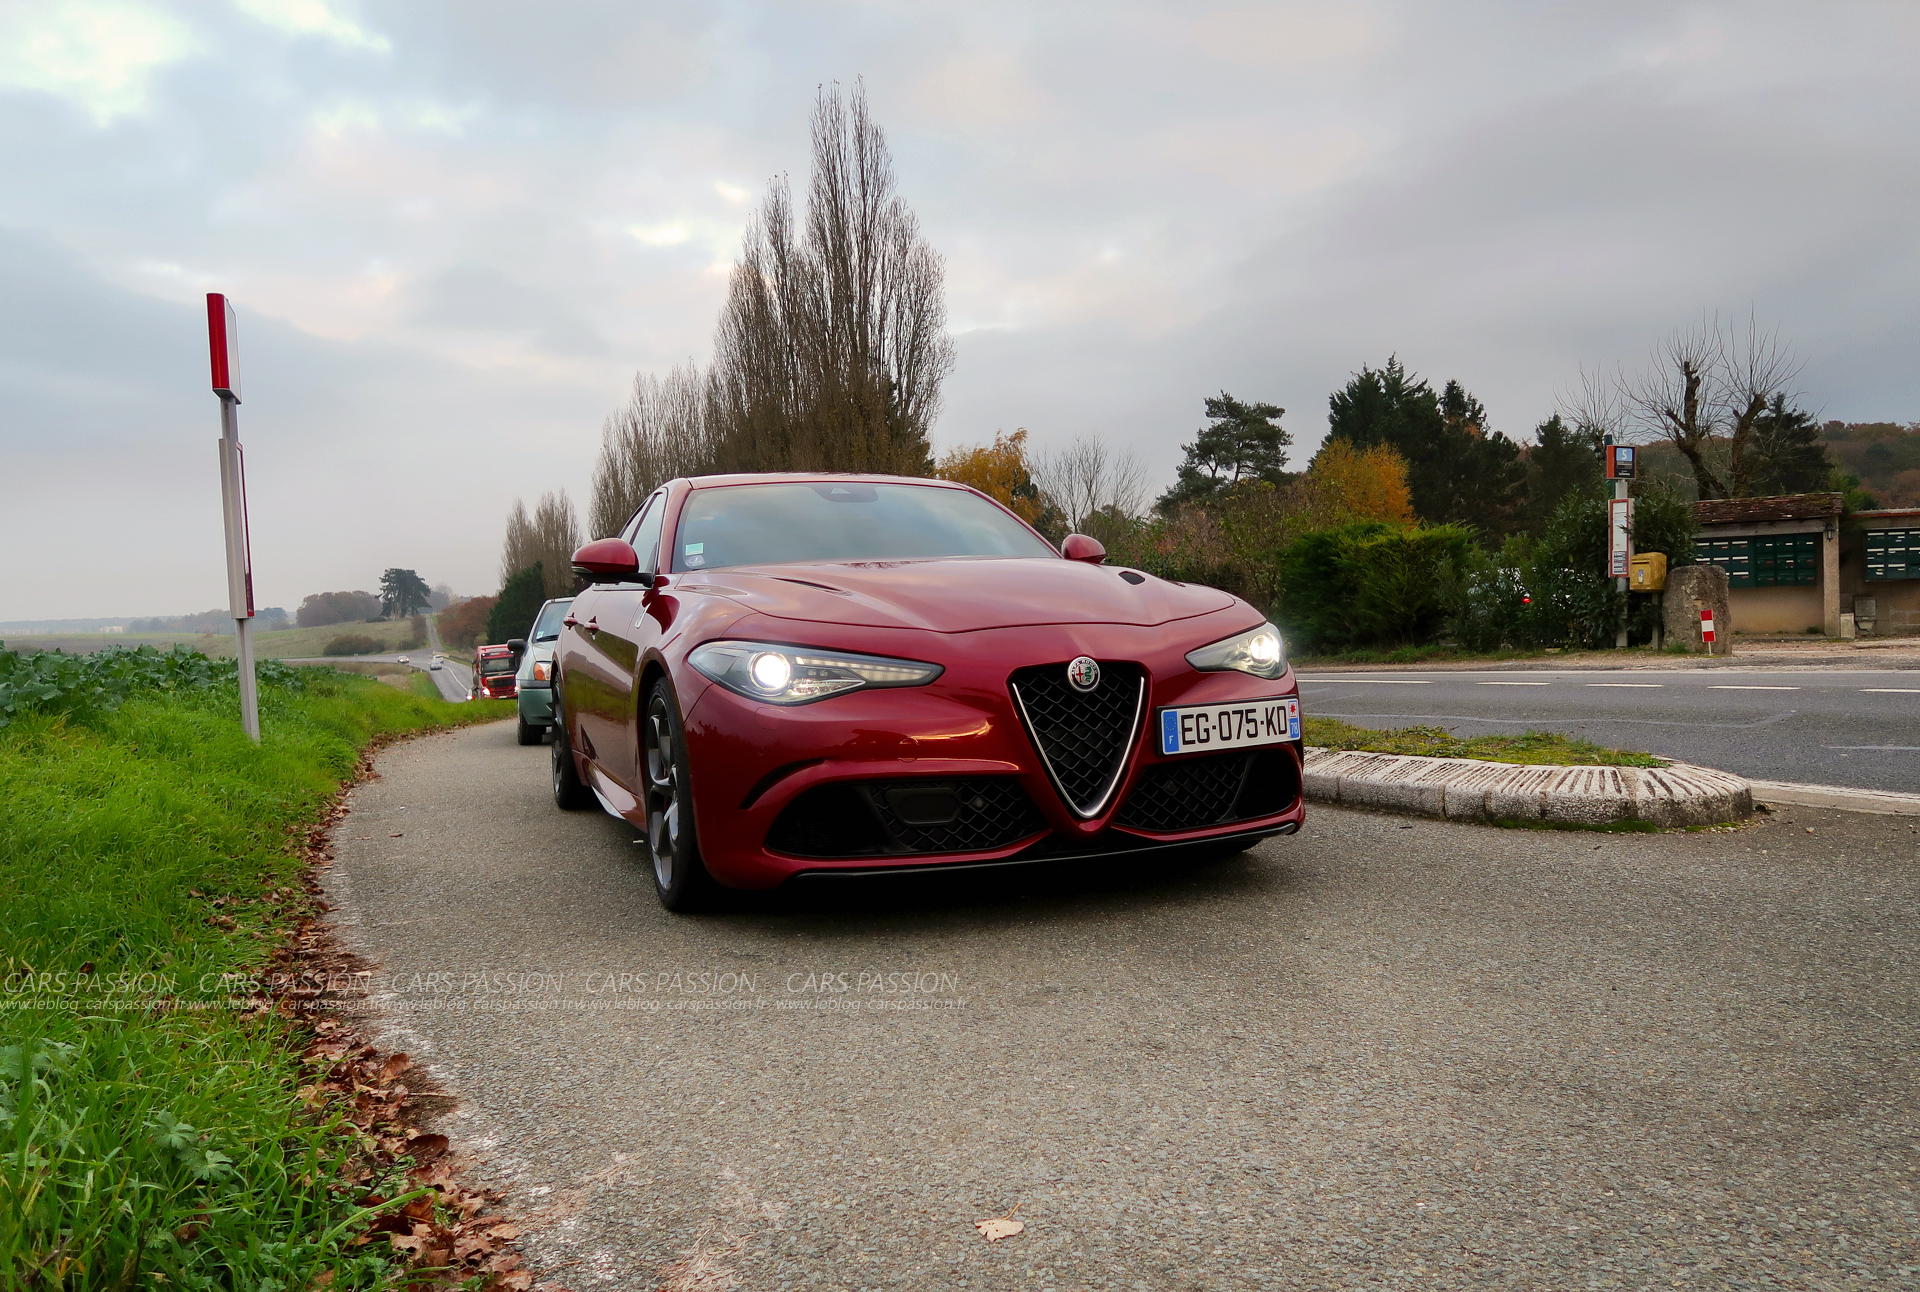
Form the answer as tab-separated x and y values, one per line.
1706	629
223	343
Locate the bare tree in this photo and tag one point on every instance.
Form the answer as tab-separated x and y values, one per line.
549	537
658	435
1089	477
1704	391
832	345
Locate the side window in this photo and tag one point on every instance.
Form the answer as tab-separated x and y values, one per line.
646	536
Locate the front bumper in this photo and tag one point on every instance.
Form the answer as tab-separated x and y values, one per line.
778	788
536	705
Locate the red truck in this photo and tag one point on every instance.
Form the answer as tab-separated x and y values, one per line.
493	669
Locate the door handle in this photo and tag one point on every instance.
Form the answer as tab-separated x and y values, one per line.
569	621
593	624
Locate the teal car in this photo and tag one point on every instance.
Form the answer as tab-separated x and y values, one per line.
533	681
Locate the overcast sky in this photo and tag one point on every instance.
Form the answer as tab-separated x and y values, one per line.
453	232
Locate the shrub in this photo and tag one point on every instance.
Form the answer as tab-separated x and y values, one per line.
354	644
1554	590
462	624
1371	584
416	633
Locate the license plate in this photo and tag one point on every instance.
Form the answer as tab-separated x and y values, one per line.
1208	727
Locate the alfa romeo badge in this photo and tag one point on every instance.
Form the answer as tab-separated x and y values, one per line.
1083	674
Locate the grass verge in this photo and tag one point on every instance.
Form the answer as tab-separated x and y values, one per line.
151	1135
1539	748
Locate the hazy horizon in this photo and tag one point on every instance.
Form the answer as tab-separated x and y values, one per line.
453	232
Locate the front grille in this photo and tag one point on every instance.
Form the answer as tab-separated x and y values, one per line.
1213	789
1084	737
891	818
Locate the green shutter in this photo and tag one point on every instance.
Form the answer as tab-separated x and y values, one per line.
1785	560
1730	554
1893	554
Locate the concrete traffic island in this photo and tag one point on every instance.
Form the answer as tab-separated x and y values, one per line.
1467	789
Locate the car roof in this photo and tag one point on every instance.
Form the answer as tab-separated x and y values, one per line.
817	477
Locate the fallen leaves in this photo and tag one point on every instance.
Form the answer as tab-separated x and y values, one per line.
998	1227
445	1234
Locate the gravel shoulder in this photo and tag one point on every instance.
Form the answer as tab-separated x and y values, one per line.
1382	1053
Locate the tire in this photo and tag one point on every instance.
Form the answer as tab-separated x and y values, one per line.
569	793
680	878
529	734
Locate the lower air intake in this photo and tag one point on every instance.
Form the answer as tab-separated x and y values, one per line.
897	818
1213	789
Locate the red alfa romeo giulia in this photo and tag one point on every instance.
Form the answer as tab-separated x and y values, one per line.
784	675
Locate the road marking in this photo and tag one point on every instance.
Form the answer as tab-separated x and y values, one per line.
1902	748
1637	686
1753	688
1889	690
1513	684
1390	681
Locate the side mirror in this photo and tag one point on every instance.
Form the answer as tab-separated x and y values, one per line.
517	645
1079	547
609	560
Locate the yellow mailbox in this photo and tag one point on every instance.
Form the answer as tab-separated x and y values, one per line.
1648	572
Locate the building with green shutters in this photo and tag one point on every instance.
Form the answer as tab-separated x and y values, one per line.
1795	564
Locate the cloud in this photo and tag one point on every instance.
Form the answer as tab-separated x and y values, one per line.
98	54
455	230
314	18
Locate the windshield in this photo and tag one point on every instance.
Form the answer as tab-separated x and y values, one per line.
548	629
763	524
494	665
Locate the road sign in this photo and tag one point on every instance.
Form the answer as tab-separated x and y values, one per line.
1619	537
1621	461
223	346
1706	626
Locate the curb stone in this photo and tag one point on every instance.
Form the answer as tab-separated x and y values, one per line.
1841	798
1466	789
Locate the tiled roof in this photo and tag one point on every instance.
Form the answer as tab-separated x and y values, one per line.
1746	511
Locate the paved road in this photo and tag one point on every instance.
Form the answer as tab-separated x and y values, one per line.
1386	1053
1825	727
454	679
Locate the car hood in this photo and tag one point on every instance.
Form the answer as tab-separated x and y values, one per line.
957	595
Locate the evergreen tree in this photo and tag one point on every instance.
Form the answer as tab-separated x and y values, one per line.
403	593
1242	442
1793	457
1458	471
1563	458
521	597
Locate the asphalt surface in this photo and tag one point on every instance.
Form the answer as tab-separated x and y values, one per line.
1385	1053
1817	726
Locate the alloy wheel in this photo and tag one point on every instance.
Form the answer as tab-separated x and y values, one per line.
663	792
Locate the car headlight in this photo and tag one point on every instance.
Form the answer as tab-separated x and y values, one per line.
1258	651
541	669
797	674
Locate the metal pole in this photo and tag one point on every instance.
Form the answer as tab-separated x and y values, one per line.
1620	641
233	500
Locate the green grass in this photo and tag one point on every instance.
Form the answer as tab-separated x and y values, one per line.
1540	748
150	1137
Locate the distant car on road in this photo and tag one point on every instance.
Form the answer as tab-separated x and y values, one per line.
435	665
777	676
493	672
533	679
404	660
